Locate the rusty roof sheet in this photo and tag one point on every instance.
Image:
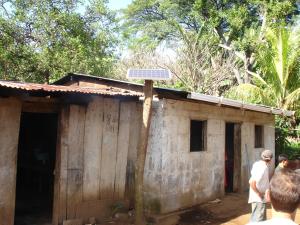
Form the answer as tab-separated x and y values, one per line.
111	91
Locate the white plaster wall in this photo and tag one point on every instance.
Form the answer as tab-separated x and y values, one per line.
175	177
269	138
250	154
153	164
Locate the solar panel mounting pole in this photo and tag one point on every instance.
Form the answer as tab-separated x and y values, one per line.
141	154
148	75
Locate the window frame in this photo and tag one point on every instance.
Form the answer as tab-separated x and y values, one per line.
258	141
203	133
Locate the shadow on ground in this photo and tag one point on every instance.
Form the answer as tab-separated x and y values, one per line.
232	209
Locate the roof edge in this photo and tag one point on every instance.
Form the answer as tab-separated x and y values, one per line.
188	95
240	104
51	88
69	77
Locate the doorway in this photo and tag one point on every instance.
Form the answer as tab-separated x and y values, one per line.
232	157
35	166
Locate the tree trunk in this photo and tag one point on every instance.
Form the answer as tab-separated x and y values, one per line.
246	68
141	154
238	76
47	76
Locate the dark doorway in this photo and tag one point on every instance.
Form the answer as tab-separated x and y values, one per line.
232	157
35	166
229	157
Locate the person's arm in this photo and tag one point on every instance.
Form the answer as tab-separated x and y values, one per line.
254	188
267	195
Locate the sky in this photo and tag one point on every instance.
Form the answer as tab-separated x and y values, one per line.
118	4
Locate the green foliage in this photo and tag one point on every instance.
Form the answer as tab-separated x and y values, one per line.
282	126
190	26
280	65
285	140
292	150
42	40
230	21
246	93
296	132
277	81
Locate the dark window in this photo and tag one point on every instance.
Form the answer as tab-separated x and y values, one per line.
259	136
198	135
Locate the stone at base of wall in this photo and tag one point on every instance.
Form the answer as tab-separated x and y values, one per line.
73	222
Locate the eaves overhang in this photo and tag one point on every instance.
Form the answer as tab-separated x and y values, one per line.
220	101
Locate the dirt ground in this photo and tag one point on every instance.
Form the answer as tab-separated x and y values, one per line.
231	210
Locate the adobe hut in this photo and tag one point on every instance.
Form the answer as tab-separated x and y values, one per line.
68	150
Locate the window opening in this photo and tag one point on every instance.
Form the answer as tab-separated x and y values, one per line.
198	135
259	134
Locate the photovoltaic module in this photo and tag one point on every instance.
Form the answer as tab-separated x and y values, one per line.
149	74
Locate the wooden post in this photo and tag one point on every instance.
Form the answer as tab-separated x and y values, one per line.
141	154
10	113
237	158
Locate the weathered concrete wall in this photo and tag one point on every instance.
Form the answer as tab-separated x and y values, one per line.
250	154
185	178
97	152
153	166
269	139
10	113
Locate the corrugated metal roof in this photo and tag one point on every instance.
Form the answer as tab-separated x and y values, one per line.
186	95
116	91
112	91
238	104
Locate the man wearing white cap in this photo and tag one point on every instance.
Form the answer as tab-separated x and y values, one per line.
284	197
259	186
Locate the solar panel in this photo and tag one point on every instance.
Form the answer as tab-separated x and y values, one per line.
149	74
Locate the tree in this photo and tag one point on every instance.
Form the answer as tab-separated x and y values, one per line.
277	80
42	40
237	26
194	66
200	66
197	63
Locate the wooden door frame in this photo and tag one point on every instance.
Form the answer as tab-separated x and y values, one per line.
237	155
60	182
9	137
42	105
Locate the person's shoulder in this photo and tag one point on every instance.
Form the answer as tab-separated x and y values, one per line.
265	222
259	223
257	163
274	221
278	168
260	164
